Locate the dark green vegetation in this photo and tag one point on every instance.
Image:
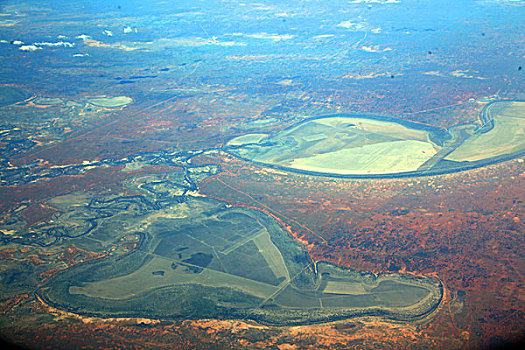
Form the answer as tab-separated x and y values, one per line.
10	95
195	258
347	145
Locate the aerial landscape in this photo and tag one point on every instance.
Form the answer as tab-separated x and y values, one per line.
262	175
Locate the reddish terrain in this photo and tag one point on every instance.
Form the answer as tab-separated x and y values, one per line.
465	228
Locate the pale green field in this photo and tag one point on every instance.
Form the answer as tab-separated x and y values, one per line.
507	136
315	137
142	280
163	271
510	109
379	158
272	255
248	237
245	139
377	126
137	282
339	287
214	278
110	102
344	146
48	101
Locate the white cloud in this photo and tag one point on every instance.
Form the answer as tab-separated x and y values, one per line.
376	1
83	37
60	43
353	25
160	44
107	32
29	48
285	14
323	36
274	37
197	41
374	48
511	2
17	42
263	8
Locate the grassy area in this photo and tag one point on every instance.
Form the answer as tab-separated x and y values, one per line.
343	287
220	279
48	101
351	301
392	293
137	282
110	102
245	139
379	158
345	146
272	255
293	298
377	127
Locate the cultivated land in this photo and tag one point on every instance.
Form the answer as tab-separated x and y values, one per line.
346	145
202	259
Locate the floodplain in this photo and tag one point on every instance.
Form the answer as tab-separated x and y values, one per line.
506	136
110	102
205	259
346	145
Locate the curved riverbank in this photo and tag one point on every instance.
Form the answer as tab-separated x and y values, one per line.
291	149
